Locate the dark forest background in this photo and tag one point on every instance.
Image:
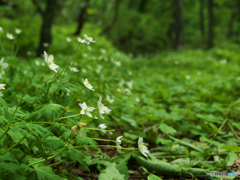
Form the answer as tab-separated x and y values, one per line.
133	26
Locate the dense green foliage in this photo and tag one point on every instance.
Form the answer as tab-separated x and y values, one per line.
185	105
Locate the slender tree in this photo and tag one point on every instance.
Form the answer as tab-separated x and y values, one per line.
233	15
114	20
47	21
82	17
202	28
210	24
142	6
179	24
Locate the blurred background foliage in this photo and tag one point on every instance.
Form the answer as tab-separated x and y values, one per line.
134	26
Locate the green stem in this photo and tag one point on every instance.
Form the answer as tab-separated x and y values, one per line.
219	129
8	128
56	120
51	157
26	152
40	122
102	139
13	145
24	94
234	132
58	163
182	156
69	116
75	147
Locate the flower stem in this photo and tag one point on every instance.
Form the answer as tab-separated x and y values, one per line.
51	157
13	145
24	94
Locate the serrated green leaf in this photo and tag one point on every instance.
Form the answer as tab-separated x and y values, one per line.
153	177
46	173
110	172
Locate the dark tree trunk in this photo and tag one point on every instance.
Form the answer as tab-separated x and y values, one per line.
47	21
179	25
232	18
202	28
210	24
82	17
142	6
115	18
238	21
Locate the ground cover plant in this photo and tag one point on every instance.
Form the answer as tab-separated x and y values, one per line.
85	110
173	122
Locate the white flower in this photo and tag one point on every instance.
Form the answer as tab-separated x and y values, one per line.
117	63
37	63
103	126
68	91
224	61
188	77
1	87
73	69
3	66
102	109
89	39
121	83
103	51
110	100
130	84
118	141
1	29
127	91
129	73
137	100
68	39
143	149
45	44
10	36
18	31
81	40
84	70
49	61
87	84
86	110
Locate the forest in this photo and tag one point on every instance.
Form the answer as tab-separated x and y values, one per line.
119	89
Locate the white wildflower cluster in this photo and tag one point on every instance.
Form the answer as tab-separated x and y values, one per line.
2	67
86	41
9	35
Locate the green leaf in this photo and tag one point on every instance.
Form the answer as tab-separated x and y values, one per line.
162	167
153	177
182	142
47	113
167	129
5	109
233	148
46	173
110	172
76	155
122	166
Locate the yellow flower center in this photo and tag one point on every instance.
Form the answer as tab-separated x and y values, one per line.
50	63
86	109
141	146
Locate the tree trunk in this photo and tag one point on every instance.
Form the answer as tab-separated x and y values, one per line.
231	20
179	25
47	20
202	28
210	24
82	17
142	6
115	18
